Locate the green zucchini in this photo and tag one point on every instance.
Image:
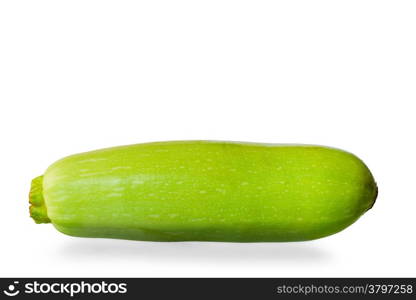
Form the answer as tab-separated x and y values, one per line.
204	191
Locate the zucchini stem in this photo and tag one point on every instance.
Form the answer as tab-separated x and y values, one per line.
37	202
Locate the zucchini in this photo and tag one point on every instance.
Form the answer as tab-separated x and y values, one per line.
204	191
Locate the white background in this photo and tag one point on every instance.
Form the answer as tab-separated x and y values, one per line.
82	75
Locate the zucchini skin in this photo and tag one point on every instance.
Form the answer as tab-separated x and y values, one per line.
204	191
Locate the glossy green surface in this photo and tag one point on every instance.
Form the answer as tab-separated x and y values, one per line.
205	191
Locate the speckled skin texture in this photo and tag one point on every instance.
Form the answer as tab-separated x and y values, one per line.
207	191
